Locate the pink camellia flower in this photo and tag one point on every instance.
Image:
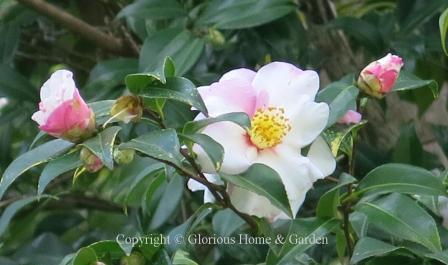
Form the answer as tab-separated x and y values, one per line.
62	112
91	162
279	99
350	117
378	78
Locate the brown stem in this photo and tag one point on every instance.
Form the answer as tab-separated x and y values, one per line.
86	31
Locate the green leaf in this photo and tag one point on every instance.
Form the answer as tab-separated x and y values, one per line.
226	222
107	247
340	137
169	202
56	167
440	256
162	145
181	45
14	85
182	258
402	217
264	181
340	97
238	14
10	33
178	89
401	178
110	73
413	14
153	9
239	118
330	200
407	81
85	256
32	158
443	25
214	150
12	210
301	229
102	145
101	110
141	81
368	247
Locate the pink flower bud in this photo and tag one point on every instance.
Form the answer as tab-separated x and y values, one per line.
91	162
380	76
62	112
350	117
127	108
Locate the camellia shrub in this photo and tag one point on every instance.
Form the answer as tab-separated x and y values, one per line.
270	132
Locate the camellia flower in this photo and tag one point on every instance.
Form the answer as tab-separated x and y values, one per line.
379	77
91	162
279	99
62	112
350	117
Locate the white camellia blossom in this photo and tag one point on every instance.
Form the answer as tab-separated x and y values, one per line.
279	99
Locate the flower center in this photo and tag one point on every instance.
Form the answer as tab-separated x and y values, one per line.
268	127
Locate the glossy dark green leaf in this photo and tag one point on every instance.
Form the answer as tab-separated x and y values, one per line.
12	210
16	86
263	181
181	45
443	25
101	110
56	167
340	96
301	229
407	81
239	118
368	247
32	158
214	150
102	145
417	12
330	200
238	14
226	222
178	89
401	178
182	257
107	74
169	202
162	145
85	256
153	9
439	256
107	247
402	217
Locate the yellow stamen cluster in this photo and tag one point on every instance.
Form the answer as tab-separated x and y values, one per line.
268	127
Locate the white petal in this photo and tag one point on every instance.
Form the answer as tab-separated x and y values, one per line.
60	86
293	169
238	152
285	83
321	158
252	203
194	185
208	196
240	74
307	121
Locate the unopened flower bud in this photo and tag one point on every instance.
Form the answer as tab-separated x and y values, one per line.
379	77
91	162
62	111
125	156
127	108
215	37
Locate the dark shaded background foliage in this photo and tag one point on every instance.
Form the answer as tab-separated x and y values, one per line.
333	37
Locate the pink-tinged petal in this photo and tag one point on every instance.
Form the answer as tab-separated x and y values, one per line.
60	86
70	115
308	120
251	203
350	117
226	96
387	80
322	160
293	169
242	74
285	83
238	151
